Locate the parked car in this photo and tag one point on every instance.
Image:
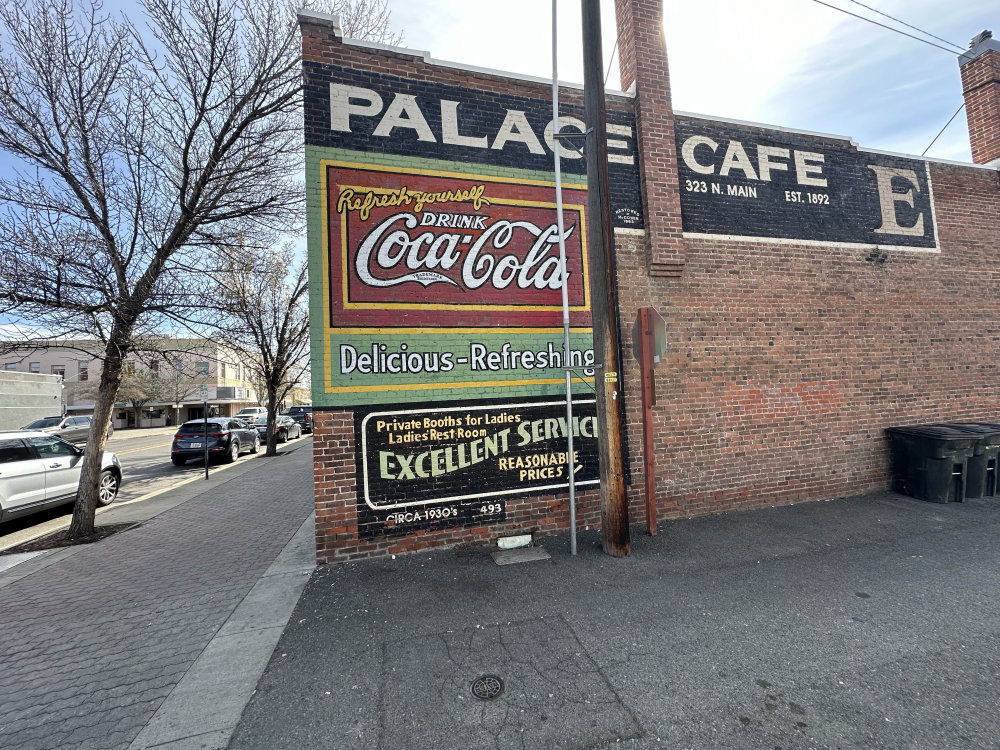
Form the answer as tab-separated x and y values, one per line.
74	429
302	415
39	470
228	437
251	413
285	428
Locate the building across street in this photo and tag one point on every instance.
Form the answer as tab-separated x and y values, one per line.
168	386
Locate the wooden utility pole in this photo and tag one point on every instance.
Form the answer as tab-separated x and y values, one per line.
603	295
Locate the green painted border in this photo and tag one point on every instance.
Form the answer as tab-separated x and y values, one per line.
314	223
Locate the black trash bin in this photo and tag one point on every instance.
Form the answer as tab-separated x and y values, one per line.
930	462
981	475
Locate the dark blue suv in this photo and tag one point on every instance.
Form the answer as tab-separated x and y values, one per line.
227	439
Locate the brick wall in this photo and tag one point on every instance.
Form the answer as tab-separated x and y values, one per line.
642	58
980	68
786	359
785	362
343	529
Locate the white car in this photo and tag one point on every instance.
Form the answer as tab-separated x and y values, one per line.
250	414
38	471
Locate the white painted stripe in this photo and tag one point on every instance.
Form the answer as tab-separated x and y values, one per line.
816	243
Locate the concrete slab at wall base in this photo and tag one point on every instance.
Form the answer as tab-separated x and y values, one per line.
520	555
511	542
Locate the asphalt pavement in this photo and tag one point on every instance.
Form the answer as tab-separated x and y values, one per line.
867	622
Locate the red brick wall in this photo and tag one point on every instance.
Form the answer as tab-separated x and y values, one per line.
981	87
785	361
334	439
642	55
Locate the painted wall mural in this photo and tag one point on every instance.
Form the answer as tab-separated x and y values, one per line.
436	292
421	468
441	285
746	181
372	112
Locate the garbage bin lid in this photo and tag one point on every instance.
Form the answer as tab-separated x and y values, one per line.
987	435
976	428
939	431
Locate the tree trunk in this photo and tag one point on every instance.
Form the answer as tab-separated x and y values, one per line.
272	418
82	524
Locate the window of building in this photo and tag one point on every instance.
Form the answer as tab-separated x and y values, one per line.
201	369
222	370
10	366
154	368
35	367
59	370
236	371
129	368
83	371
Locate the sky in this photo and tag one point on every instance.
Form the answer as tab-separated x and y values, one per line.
788	63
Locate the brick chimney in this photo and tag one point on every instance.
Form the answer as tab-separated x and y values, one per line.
642	55
980	68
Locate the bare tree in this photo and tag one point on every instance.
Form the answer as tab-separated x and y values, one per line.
263	315
141	387
180	386
138	388
137	150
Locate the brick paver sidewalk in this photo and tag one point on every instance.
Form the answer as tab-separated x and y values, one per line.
92	644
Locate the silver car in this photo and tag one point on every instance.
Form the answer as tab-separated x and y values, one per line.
74	429
38	471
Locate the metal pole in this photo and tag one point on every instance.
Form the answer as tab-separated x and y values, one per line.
205	410
604	302
648	384
570	462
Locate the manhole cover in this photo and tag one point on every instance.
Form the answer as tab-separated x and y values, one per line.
487	687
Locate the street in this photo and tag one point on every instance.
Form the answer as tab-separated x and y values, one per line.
146	468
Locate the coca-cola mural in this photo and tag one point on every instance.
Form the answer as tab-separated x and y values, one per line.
439	285
415	249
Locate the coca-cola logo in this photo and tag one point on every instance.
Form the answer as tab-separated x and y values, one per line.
453	250
409	247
